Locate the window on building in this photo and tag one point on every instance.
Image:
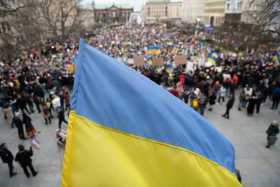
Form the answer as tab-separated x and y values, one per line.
166	11
228	6
239	5
149	11
114	14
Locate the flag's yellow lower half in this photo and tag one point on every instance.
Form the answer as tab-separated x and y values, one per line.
100	157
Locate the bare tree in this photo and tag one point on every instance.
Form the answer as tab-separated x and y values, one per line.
60	15
261	27
268	16
28	23
21	27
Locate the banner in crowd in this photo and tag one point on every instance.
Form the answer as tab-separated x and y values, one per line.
133	133
213	58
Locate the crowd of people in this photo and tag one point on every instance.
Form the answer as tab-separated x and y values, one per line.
40	80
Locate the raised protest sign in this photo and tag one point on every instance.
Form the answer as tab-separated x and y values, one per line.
180	60
138	60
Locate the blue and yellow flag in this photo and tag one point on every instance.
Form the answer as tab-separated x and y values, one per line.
213	58
126	131
153	50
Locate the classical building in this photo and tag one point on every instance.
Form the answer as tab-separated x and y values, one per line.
112	14
214	12
162	10
234	6
175	10
193	10
233	11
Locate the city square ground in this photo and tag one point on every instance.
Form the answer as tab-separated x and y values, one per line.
260	167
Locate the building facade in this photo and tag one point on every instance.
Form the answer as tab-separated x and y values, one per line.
214	12
175	10
233	11
162	10
193	10
233	6
114	14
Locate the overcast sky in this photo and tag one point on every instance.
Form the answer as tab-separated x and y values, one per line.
137	4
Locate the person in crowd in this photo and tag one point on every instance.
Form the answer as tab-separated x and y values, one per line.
248	93
272	132
221	95
61	118
186	95
46	114
229	106
259	100
275	98
7	111
251	104
29	101
174	91
62	102
27	121
37	103
202	103
197	92
7	158
39	92
19	125
238	175
66	97
227	86
13	106
22	104
50	106
212	99
242	100
23	157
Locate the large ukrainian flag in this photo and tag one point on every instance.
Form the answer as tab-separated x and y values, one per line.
125	131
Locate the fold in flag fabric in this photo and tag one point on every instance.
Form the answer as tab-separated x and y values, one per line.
126	131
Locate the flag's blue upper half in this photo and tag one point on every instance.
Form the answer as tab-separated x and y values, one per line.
120	98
